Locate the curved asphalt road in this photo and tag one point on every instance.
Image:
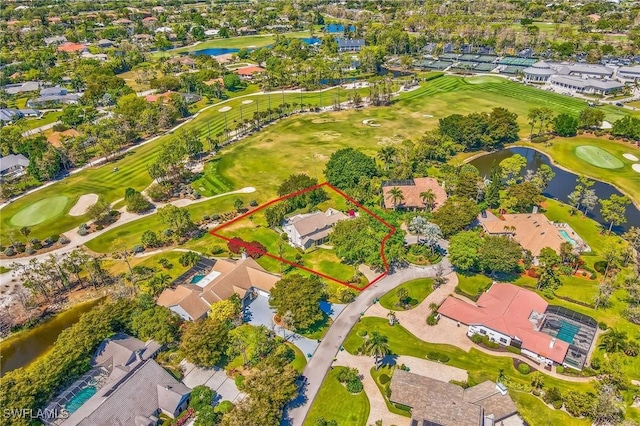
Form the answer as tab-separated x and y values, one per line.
320	363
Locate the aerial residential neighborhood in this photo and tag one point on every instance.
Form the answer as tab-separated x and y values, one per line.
320	213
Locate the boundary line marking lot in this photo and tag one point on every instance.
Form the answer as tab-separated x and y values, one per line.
392	230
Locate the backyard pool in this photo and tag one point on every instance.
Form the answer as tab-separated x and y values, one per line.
80	398
196	278
567	331
565	235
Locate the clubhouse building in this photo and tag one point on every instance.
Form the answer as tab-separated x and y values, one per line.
517	317
571	77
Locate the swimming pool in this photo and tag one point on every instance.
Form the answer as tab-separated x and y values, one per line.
565	235
80	398
567	331
196	278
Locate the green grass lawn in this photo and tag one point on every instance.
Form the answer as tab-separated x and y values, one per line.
417	290
472	285
334	402
304	143
131	233
211	182
598	157
563	152
43	210
233	42
47	118
300	361
535	412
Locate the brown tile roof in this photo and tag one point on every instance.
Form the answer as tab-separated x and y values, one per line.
508	309
312	223
533	231
447	404
412	193
227	277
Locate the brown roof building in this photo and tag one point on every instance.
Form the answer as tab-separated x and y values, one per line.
72	47
57	137
227	277
439	403
411	190
533	231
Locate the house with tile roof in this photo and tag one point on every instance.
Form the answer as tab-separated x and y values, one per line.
437	403
411	190
311	229
533	231
511	316
243	277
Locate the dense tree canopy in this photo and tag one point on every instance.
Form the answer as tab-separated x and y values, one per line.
455	214
297	299
481	130
348	166
204	342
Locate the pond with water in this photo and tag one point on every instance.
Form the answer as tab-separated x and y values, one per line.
562	184
23	348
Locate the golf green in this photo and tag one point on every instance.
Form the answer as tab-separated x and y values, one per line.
598	157
40	211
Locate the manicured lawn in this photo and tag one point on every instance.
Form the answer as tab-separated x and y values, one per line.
563	152
118	266
300	361
233	42
471	285
535	412
211	182
480	366
334	402
598	157
132	232
47	118
417	290
41	211
304	143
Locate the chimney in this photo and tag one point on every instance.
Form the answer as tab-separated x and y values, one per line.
552	342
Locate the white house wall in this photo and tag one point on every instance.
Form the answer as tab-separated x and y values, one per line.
494	336
181	312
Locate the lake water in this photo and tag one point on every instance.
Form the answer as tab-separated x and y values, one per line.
562	184
23	348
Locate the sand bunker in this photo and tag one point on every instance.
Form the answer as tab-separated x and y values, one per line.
370	122
630	157
84	202
247	102
427	115
636	168
323	120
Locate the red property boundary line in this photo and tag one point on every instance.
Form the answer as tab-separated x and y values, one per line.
391	228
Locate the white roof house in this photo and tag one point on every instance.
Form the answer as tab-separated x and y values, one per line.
585	85
629	73
311	229
13	165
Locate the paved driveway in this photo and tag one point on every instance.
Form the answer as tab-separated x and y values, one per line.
215	379
260	313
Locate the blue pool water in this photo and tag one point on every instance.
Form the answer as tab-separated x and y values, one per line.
196	278
567	331
337	28
80	398
567	238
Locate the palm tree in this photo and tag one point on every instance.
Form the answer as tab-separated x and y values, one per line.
396	196
428	199
386	155
614	341
377	346
533	116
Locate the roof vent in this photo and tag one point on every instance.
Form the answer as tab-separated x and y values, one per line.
552	342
